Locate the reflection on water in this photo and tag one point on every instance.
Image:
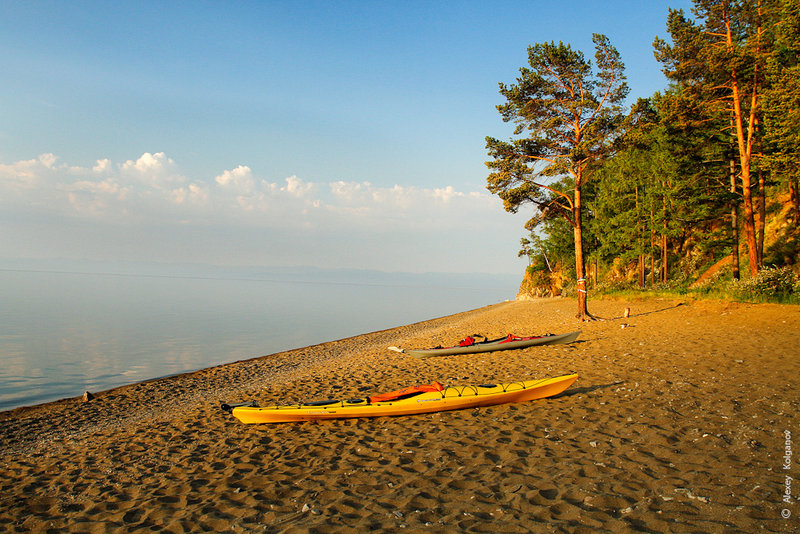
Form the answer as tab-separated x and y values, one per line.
64	333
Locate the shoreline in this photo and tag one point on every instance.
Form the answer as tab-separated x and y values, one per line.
678	420
128	328
276	365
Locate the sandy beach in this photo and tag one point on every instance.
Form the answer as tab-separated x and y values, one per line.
682	420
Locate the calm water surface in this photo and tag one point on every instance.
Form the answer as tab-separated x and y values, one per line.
65	333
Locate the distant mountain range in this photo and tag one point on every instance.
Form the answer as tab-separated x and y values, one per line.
297	274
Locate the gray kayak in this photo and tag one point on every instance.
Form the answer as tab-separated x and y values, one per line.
503	343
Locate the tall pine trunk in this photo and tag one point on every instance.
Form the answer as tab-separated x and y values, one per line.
580	263
794	197
762	215
734	223
744	142
652	248
640	239
641	271
749	218
664	257
652	263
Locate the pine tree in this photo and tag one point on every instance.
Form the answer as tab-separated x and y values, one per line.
567	118
782	99
718	63
664	186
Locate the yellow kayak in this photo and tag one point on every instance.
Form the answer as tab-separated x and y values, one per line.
413	400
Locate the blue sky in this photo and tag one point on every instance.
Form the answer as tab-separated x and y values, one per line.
341	134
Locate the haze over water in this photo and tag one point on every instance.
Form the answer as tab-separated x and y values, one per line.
63	333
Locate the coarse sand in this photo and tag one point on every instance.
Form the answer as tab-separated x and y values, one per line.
684	419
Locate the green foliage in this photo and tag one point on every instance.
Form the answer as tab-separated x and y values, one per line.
782	98
560	245
770	281
785	251
772	284
717	62
538	275
655	187
534	249
566	115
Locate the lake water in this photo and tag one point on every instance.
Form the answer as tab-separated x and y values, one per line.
63	333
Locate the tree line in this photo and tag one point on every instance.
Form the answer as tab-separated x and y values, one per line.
688	175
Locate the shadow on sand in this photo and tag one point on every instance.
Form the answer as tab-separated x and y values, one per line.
642	314
586	389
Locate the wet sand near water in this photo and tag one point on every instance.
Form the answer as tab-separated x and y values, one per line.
678	423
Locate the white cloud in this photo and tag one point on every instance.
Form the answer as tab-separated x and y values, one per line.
156	171
349	191
151	191
103	166
296	187
447	194
147	163
152	187
22	175
238	179
48	160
